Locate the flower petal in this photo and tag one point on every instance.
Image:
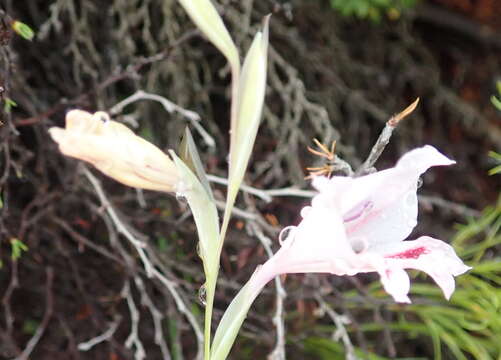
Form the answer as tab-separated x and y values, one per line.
421	159
115	150
82	122
396	283
390	224
317	244
435	257
380	207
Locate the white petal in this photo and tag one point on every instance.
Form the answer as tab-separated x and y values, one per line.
392	197
435	257
421	159
383	187
317	244
390	224
396	283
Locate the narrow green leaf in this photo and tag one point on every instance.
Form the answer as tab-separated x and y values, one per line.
249	109
495	170
17	248
189	154
323	348
236	312
231	322
496	102
495	155
23	30
205	215
8	105
206	17
435	336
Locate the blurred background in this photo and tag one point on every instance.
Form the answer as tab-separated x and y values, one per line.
73	287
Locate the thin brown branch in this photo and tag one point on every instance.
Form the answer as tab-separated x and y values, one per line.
384	139
130	72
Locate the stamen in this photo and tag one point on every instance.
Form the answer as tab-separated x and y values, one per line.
326	153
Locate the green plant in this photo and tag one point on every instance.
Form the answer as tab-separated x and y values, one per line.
495	100
497	157
17	248
372	9
23	30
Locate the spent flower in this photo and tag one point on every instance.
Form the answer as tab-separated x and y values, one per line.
116	151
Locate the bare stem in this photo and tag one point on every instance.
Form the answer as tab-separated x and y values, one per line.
384	138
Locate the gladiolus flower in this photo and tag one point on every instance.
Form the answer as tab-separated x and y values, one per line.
116	151
357	225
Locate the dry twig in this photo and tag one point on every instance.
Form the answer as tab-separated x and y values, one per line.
384	139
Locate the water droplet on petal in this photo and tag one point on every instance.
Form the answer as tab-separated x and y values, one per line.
285	234
358	244
305	211
202	295
181	198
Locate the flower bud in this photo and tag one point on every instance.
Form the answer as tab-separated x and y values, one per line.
116	151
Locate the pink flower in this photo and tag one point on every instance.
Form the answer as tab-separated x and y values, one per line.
357	225
116	151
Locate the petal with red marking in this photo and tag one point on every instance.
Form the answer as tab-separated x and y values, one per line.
435	257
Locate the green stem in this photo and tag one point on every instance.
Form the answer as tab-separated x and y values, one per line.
212	280
209	305
235	79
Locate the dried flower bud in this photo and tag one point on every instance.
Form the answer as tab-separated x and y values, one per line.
116	151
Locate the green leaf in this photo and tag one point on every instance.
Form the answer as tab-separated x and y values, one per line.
8	105
495	170
205	215
231	322
362	9
323	348
435	336
30	326
497	157
17	248
189	154
162	243
23	30
236	312
206	17
496	102
250	102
